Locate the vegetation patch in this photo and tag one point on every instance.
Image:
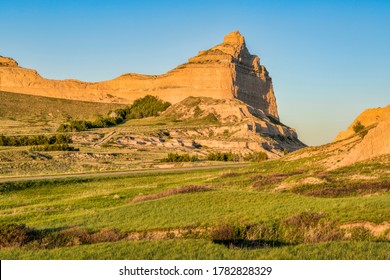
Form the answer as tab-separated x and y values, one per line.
343	189
175	157
28	140
273	178
172	191
256	157
14	235
147	106
219	156
264	180
6	187
306	227
54	147
358	127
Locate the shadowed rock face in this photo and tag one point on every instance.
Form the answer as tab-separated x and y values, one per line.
225	71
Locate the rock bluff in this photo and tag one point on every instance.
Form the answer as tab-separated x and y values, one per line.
226	71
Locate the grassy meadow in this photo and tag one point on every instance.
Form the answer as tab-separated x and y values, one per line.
218	214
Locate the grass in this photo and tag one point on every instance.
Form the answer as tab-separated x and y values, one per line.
205	250
91	203
172	191
23	113
178	200
24	106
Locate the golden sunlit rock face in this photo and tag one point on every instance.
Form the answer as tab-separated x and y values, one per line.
367	118
7	62
225	71
375	134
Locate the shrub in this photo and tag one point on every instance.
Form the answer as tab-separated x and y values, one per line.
218	156
54	147
175	157
147	106
358	127
256	157
40	139
75	125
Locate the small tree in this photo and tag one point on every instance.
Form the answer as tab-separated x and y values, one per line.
357	127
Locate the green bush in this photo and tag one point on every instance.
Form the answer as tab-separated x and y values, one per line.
75	125
219	156
40	139
358	127
175	157
54	147
147	106
256	157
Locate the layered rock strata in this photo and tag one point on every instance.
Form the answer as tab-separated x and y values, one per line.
226	71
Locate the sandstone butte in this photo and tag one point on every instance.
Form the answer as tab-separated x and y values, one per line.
226	71
376	142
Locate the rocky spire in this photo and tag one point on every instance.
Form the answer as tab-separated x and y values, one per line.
234	38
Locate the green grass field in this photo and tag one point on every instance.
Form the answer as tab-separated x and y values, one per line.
242	197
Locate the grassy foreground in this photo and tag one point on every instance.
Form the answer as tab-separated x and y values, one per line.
205	250
240	213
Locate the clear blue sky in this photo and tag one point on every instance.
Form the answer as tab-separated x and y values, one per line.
329	60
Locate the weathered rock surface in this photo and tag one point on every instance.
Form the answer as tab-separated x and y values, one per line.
367	118
7	62
230	124
371	143
226	71
374	143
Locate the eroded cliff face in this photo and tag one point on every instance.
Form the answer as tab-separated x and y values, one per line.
373	142
244	126
368	118
226	71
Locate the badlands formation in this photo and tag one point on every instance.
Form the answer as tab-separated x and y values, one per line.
371	142
226	83
375	141
227	70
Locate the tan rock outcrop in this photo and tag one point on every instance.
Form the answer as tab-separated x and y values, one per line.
371	143
375	143
242	125
7	62
226	71
367	118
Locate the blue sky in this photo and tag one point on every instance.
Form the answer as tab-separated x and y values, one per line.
329	60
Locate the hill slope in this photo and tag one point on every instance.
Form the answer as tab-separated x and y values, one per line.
369	142
23	106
